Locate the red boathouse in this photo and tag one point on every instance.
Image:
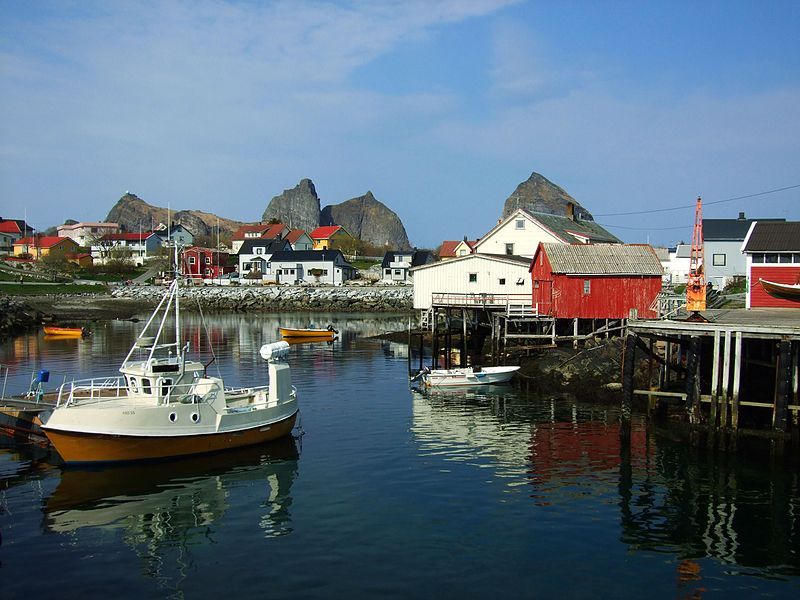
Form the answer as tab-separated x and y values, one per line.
772	251
595	281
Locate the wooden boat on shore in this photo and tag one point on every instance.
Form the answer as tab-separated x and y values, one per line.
466	376
784	291
319	334
166	406
63	331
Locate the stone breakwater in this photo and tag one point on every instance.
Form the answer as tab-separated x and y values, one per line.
16	316
280	298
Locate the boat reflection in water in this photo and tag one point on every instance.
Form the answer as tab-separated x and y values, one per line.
161	507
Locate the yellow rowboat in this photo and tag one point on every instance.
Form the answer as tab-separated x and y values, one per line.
319	334
309	340
63	331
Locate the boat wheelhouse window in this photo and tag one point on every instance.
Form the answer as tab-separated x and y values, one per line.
473	278
758	258
770	258
166	384
785	258
145	385
134	387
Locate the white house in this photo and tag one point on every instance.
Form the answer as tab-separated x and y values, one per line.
85	234
311	266
476	278
396	264
679	259
139	247
255	254
520	233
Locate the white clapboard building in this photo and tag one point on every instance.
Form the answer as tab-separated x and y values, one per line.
480	279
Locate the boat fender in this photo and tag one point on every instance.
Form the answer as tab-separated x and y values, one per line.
275	351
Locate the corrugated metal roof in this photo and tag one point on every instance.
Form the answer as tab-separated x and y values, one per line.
774	237
564	227
603	259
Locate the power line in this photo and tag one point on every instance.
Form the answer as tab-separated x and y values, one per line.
688	226
658	210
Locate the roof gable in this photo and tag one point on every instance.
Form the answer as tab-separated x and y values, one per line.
47	241
326	231
772	236
269	245
9	227
295	234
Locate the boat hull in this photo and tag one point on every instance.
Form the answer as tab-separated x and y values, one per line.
75	447
784	291
317	334
63	331
468	377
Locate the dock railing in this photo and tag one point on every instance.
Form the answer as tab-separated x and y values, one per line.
514	304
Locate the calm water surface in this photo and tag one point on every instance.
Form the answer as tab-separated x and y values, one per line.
385	492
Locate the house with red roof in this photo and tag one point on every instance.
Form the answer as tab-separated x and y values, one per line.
12	230
255	231
38	247
455	248
300	240
326	236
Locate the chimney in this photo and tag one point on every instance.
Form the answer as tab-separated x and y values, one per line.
570	211
741	216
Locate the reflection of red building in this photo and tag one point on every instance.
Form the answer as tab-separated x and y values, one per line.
205	263
565	450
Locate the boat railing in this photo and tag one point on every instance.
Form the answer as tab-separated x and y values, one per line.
84	391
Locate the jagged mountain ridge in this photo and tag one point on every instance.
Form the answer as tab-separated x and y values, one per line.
298	208
368	219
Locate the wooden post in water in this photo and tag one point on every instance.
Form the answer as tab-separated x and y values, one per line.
737	378
464	337
715	382
448	345
784	388
726	378
435	340
628	366
693	380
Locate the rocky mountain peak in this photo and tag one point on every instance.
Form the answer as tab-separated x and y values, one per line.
368	219
538	194
298	207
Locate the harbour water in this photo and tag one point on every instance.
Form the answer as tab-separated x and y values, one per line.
386	492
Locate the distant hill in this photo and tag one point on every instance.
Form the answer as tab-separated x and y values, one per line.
538	194
133	213
298	208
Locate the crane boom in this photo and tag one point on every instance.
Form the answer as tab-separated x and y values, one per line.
696	280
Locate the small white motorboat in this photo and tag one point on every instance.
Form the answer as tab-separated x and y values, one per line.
466	376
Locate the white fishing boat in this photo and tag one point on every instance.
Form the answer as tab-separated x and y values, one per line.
466	376
164	405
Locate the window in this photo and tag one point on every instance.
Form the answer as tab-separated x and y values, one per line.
501	281
758	258
259	251
473	278
771	258
191	260
388	271
718	260
520	224
134	388
521	281
509	248
166	384
587	287
398	272
785	258
208	260
145	385
462	252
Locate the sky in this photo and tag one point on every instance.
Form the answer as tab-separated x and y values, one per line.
440	108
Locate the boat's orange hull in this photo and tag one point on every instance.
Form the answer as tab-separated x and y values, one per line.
86	448
64	331
317	334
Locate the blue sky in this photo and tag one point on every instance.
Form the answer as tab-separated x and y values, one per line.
439	108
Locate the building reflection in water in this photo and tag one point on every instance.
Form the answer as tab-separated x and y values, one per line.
163	508
693	504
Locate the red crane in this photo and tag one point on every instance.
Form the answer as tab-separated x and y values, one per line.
696	281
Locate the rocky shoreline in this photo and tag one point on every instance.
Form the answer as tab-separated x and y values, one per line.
20	313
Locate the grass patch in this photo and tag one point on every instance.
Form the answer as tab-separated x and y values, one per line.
363	265
56	288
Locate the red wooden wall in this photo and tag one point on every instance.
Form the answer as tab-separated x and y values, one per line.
777	274
609	297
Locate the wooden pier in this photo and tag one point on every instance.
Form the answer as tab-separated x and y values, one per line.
725	369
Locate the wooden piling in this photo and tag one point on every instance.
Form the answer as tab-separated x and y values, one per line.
726	377
737	377
628	366
715	381
693	380
784	388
